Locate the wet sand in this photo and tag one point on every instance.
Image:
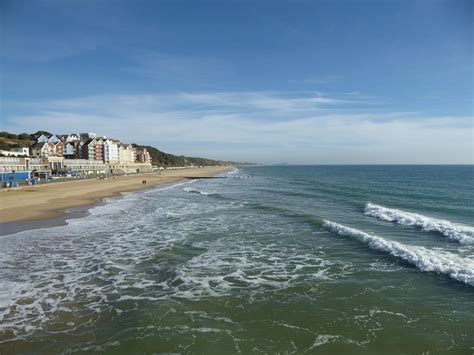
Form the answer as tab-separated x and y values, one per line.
28	207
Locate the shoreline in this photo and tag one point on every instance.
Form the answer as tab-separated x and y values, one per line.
14	227
51	205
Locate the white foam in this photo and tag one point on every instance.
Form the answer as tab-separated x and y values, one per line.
458	268
458	232
233	171
323	339
195	191
100	261
172	186
231	266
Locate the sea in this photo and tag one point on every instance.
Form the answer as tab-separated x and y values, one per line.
268	259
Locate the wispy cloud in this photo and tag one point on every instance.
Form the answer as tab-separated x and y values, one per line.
260	126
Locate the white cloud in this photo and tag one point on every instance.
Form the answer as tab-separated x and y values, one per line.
259	126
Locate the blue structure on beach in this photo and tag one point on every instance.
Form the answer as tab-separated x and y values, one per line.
15	177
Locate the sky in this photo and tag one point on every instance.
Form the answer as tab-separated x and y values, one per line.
299	82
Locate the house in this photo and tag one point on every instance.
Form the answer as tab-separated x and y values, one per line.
69	150
126	153
88	149
42	139
73	137
43	149
93	149
143	156
111	151
54	139
15	152
81	150
59	149
21	150
99	149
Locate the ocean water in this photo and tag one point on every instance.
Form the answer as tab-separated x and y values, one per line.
299	259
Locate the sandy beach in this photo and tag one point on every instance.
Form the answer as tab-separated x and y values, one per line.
48	201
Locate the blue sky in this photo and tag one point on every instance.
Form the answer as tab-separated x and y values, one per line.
266	81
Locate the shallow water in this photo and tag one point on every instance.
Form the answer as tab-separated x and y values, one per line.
297	259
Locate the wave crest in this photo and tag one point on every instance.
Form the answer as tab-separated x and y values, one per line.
195	191
458	268
457	232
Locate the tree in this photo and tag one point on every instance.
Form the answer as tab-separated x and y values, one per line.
8	135
46	133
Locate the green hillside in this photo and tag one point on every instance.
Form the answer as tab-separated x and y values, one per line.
169	160
10	140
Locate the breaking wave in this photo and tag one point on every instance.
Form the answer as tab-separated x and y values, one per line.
458	268
195	191
457	232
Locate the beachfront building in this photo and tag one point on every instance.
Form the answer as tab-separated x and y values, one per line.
15	152
54	139
99	149
82	167
56	164
13	164
50	138
73	137
143	156
127	161
19	170
80	150
24	151
93	149
111	151
43	149
129	168
59	149
69	150
47	149
39	165
41	138
89	149
126	153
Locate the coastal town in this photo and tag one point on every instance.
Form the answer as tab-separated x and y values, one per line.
75	155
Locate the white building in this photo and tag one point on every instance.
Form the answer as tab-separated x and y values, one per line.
10	164
16	152
73	137
111	152
126	153
23	151
79	167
